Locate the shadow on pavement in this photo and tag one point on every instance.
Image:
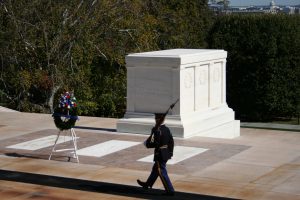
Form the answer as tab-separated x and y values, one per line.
100	187
45	157
94	128
21	155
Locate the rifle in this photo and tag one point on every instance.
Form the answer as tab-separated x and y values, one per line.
164	115
160	121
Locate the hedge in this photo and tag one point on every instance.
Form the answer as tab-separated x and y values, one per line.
263	64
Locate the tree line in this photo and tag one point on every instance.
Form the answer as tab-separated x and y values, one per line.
50	46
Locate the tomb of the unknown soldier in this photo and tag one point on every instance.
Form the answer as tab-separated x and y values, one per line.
197	77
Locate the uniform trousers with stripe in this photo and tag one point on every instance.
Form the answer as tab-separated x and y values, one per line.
159	169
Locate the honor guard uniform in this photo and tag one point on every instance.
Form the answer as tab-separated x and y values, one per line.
162	141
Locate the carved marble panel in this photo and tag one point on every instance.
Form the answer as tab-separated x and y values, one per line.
201	87
215	84
188	87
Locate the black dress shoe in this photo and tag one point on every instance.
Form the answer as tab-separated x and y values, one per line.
143	184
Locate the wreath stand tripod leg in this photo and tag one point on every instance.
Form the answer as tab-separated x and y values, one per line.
53	148
74	139
74	149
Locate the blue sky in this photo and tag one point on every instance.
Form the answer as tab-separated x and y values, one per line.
262	2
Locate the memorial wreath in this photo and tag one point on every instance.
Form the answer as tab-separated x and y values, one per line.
65	115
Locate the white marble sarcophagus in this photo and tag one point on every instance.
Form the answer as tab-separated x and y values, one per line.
196	76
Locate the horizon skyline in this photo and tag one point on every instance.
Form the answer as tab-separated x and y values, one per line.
262	2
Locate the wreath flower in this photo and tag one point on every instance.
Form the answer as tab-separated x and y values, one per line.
65	115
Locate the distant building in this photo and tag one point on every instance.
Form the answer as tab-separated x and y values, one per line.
289	10
214	6
272	8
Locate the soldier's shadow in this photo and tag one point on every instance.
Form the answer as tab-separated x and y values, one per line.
95	186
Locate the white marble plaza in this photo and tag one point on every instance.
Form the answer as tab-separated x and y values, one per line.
260	164
197	77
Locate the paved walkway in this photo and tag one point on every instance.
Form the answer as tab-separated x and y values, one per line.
260	164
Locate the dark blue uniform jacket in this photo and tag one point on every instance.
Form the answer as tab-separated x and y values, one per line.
162	140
